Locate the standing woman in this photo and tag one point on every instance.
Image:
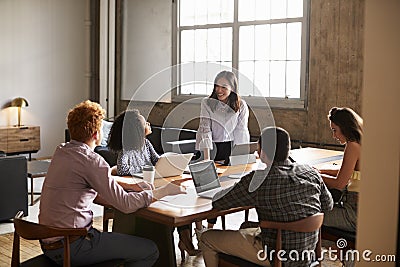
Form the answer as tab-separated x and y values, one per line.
346	126
223	118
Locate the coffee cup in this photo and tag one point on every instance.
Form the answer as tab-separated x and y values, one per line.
148	173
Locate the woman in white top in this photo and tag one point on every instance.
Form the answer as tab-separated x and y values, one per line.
223	118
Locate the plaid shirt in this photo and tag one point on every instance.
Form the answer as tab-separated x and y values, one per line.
284	192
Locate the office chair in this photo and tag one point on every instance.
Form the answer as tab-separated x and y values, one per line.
309	224
34	231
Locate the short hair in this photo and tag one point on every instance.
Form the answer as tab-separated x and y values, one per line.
127	132
84	120
275	143
349	122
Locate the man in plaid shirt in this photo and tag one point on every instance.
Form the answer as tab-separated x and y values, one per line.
283	192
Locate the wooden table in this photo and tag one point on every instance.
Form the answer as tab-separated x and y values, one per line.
157	222
37	168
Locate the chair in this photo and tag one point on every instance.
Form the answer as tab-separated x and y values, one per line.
306	225
13	186
111	158
334	234
34	231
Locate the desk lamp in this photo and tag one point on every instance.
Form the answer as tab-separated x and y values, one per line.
19	102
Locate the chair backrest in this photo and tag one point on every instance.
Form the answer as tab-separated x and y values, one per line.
306	225
34	231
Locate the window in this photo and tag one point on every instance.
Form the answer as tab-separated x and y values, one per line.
265	40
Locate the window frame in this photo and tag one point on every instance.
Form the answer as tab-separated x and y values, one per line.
256	101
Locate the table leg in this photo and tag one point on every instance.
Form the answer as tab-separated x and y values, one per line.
161	234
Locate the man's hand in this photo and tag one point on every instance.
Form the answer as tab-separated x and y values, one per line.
170	189
138	187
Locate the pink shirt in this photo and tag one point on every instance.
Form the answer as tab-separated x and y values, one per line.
75	176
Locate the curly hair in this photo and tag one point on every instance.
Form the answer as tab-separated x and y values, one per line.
127	132
84	120
234	98
349	122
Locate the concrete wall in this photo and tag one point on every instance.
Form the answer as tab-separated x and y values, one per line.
379	197
44	57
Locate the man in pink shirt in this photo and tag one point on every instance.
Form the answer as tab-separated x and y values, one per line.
76	176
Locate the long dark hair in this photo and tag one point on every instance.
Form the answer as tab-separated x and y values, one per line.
349	122
127	132
233	99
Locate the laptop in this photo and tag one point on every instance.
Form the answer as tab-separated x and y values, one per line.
170	164
243	154
205	178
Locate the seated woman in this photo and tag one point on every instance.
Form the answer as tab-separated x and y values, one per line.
128	139
346	126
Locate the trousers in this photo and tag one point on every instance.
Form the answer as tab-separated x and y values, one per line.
102	246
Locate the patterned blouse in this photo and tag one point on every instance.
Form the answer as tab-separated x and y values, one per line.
132	161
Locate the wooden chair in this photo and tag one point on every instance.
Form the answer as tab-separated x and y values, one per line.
334	234
306	225
34	231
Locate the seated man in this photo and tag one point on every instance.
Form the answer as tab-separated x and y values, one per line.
76	176
282	192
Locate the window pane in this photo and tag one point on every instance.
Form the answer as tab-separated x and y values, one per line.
187	89
187	12
200	45
261	78
213	11
277	76
263	9
246	43
278	9
278	41
200	88
213	44
226	44
262	42
294	41
227	10
246	68
200	12
293	79
246	10
187	46
295	8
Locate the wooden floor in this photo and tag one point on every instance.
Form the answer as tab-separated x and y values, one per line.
31	249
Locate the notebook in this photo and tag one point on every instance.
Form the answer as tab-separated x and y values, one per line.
170	164
205	178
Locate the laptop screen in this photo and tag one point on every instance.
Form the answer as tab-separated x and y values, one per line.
204	175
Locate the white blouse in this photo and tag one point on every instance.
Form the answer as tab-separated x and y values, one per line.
222	125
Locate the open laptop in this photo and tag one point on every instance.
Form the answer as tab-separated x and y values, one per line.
205	178
170	165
